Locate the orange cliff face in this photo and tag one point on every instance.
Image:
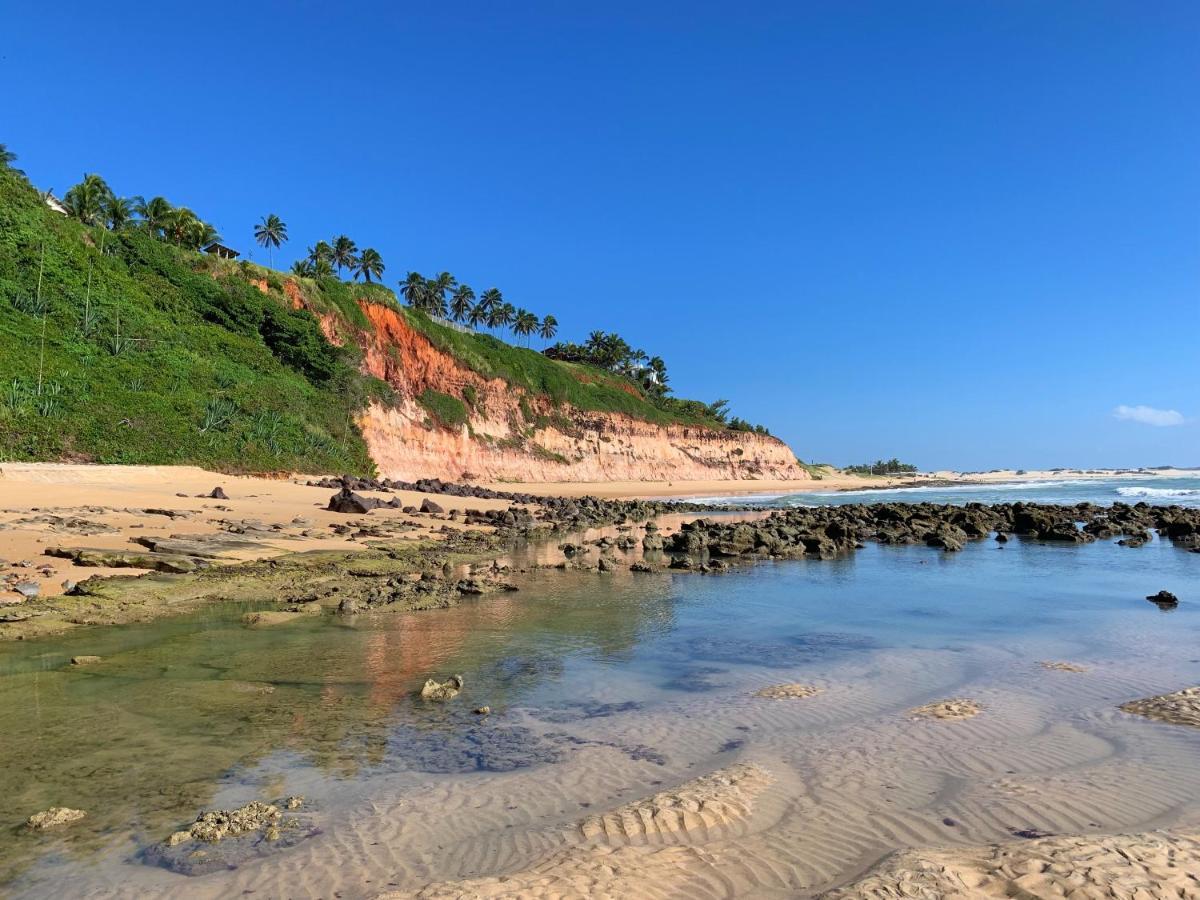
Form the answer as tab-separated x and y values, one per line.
498	444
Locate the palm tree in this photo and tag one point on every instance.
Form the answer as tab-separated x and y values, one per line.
370	263
7	158
117	212
525	323
154	213
490	302
549	328
85	201
187	229
270	233
413	290
508	314
476	315
462	302
303	268
343	254
438	287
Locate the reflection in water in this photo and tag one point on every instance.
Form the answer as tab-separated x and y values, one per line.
143	739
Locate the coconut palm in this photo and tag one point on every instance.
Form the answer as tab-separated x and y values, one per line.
303	268
438	288
508	314
370	263
490	302
549	328
433	301
7	157
154	213
477	315
525	323
320	259
343	254
85	201
413	289
270	233
117	211
462	302
188	230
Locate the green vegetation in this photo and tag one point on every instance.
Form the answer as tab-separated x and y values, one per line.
582	386
891	466
117	346
447	411
119	342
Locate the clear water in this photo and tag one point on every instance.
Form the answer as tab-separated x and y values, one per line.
185	714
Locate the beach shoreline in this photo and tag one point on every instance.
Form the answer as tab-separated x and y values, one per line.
836	483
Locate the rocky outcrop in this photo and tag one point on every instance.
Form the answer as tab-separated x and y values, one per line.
512	435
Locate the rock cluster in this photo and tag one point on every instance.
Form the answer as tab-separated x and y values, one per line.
826	532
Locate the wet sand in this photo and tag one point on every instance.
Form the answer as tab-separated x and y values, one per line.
828	789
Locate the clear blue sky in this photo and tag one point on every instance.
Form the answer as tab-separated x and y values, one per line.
959	232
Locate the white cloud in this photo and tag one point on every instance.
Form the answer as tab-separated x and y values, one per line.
1148	415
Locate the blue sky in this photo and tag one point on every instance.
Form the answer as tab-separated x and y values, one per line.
962	233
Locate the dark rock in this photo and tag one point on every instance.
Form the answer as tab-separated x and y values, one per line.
346	501
1163	600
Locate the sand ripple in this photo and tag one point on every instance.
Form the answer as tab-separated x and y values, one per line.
1148	865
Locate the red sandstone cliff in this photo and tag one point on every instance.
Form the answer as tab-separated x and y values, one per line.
499	443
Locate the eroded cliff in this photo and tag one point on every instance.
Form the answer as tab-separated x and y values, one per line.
498	432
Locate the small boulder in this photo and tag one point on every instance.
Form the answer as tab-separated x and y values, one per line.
1163	600
84	660
28	589
443	690
346	501
428	506
217	494
55	817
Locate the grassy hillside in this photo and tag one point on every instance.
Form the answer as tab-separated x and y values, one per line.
140	352
116	347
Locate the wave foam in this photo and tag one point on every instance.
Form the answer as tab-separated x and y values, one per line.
1158	492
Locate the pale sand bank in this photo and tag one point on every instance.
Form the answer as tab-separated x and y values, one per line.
829	482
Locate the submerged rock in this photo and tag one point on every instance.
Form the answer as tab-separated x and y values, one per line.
956	708
84	660
1163	600
225	838
54	817
442	691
